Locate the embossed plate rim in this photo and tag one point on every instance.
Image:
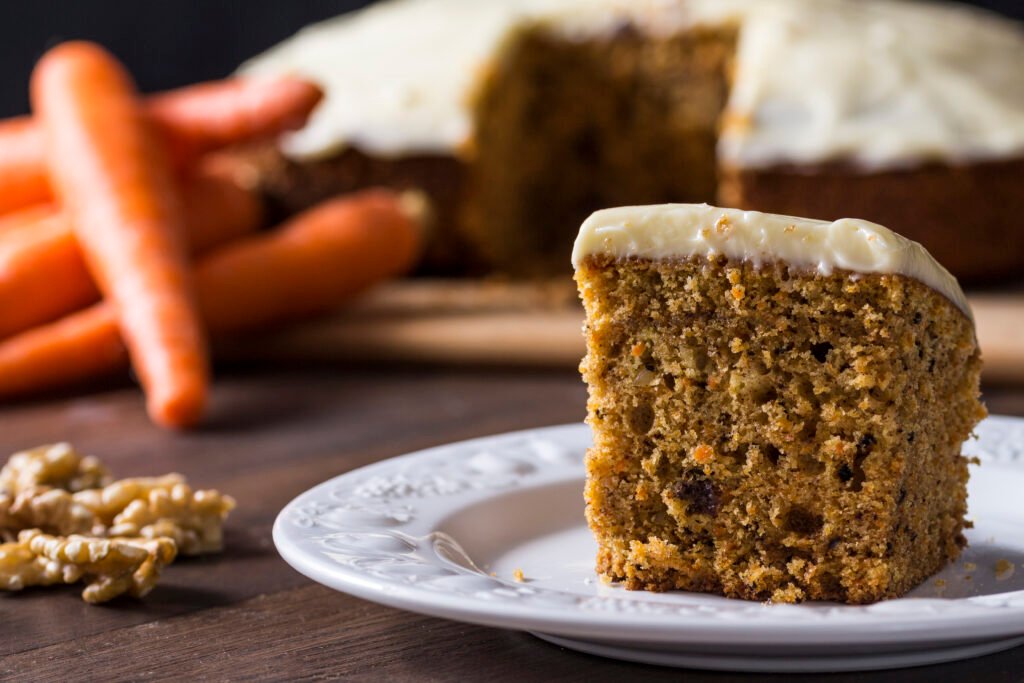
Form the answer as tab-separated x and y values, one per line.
396	515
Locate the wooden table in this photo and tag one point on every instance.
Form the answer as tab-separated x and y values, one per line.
246	614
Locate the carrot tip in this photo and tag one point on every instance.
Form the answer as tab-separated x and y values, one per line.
178	412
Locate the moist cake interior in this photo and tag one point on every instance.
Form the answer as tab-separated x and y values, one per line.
565	127
774	433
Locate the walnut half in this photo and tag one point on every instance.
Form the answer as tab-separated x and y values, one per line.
56	466
109	567
63	521
193	519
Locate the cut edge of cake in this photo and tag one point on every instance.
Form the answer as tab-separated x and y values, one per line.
778	404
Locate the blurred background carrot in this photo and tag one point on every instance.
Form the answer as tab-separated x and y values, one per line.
204	117
43	244
314	263
23	178
311	264
193	120
112	176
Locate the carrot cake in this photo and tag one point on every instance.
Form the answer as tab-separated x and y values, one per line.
520	117
778	404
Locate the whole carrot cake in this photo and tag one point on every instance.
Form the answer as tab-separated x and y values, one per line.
778	404
520	117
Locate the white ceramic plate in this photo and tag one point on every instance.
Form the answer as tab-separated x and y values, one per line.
444	531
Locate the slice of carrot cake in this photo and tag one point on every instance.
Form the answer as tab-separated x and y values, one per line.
778	404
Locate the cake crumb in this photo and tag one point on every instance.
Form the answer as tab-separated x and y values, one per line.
738	292
722	224
940	583
703	453
970	566
518	575
1004	569
638	349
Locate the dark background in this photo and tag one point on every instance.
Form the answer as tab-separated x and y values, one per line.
170	43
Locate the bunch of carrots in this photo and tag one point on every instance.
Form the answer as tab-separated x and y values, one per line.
120	243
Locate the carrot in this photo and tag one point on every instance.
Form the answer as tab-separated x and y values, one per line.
81	346
217	210
312	264
16	220
195	119
109	170
314	261
212	115
43	275
23	178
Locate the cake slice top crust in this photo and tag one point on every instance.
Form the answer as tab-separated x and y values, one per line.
682	231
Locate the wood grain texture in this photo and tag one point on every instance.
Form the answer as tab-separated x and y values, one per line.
245	615
469	323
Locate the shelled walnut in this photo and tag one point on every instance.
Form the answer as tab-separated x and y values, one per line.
52	511
193	519
109	567
63	520
56	466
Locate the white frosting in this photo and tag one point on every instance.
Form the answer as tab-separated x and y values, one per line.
397	75
686	230
881	83
878	82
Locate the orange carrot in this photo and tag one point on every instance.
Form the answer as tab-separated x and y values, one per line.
312	264
23	178
110	172
15	221
212	115
43	275
194	119
217	210
314	261
81	346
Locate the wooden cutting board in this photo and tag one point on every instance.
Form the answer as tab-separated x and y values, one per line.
461	322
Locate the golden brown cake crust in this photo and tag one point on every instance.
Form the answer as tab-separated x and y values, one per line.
774	434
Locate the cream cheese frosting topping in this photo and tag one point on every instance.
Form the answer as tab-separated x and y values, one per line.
397	76
881	83
876	82
668	231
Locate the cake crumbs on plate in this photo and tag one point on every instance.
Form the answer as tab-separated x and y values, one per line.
518	576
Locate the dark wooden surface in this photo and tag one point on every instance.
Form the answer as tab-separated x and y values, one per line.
247	615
